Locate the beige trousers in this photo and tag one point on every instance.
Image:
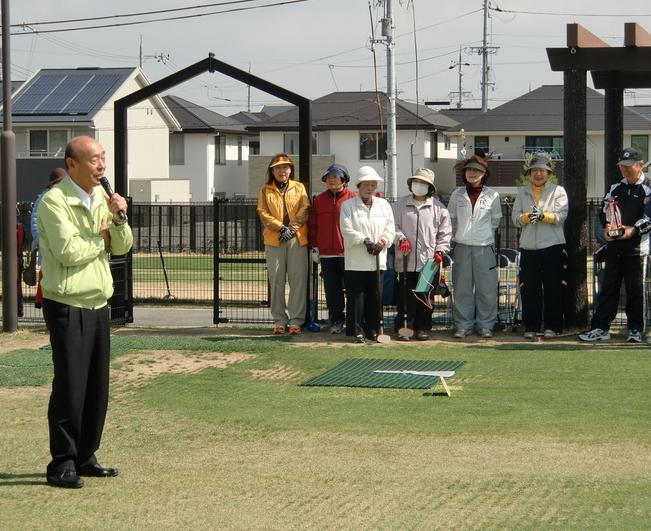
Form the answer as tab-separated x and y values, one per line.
287	264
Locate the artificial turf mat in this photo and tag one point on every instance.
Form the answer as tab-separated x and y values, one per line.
356	372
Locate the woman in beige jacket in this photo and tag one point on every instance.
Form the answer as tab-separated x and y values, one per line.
283	207
540	209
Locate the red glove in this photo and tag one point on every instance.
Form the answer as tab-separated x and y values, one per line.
438	257
405	246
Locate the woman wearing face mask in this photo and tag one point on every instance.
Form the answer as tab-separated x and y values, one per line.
540	209
283	207
423	231
366	223
475	211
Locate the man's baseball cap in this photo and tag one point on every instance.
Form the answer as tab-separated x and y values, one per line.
630	156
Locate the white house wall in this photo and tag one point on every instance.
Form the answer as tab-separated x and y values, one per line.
148	136
199	167
232	178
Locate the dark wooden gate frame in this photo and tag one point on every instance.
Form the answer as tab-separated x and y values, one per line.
612	69
210	64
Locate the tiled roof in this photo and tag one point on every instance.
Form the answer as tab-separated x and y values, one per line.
542	110
197	119
358	110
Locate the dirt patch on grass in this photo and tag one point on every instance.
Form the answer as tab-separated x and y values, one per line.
23	339
278	372
145	365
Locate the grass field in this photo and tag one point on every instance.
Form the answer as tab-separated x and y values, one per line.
211	431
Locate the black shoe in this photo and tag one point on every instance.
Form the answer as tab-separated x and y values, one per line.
66	479
372	335
421	335
97	471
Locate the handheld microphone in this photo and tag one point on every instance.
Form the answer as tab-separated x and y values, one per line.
107	188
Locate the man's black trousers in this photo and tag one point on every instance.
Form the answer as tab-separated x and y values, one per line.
80	340
631	269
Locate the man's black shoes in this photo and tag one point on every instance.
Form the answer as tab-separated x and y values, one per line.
66	479
97	471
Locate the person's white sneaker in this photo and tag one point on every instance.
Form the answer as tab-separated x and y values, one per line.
594	335
634	336
549	334
530	335
486	333
461	333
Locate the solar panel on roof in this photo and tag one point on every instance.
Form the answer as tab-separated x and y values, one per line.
63	93
36	93
91	93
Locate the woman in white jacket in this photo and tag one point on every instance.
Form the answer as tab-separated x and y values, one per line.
366	223
540	209
475	212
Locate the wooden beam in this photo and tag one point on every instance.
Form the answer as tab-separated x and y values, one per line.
621	80
635	35
579	37
600	59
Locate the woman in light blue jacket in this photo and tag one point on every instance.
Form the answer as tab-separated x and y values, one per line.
476	212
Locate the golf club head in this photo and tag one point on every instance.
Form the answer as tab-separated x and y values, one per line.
313	327
405	332
383	338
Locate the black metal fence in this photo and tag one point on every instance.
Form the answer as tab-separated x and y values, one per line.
180	249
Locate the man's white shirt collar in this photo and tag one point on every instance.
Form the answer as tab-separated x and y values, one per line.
86	198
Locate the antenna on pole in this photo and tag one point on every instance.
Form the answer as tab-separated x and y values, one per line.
460	93
484	50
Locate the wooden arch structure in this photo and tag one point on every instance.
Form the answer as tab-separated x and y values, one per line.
613	69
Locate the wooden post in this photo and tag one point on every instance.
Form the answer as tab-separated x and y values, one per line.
614	134
575	181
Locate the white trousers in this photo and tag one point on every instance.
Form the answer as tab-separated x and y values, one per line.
287	264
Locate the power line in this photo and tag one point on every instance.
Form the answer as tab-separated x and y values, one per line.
517	12
164	19
124	15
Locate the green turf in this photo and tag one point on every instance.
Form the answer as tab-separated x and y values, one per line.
358	372
534	436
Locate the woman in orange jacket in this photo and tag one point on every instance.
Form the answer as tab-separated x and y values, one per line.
283	207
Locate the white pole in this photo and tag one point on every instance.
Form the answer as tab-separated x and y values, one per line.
391	189
484	62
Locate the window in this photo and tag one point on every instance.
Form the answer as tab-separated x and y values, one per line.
549	144
481	146
641	142
177	150
38	143
254	147
446	142
47	143
370	148
433	146
290	143
239	150
220	150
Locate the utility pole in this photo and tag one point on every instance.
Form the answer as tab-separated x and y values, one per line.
460	93
484	51
248	94
8	187
391	188
140	54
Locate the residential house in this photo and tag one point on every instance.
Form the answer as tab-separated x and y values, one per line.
57	104
534	122
211	151
350	128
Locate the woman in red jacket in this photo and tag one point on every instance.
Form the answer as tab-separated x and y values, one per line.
327	242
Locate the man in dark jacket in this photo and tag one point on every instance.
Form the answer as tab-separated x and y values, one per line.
626	229
327	242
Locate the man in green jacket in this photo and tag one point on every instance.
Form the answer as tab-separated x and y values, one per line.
79	226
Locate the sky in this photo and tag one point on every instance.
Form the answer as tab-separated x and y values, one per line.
315	47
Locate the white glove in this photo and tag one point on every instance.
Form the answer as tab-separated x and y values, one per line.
315	255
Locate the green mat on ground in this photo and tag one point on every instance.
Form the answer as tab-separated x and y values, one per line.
357	372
